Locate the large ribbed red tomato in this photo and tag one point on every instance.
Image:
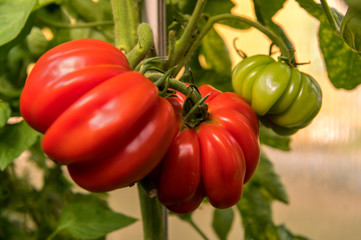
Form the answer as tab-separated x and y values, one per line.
213	159
107	123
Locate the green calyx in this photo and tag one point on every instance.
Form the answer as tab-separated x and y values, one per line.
194	111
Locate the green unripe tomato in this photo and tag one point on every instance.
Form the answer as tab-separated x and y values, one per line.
284	98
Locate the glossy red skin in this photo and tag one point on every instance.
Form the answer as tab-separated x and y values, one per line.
104	121
189	205
230	100
184	156
229	154
223	166
235	114
116	128
65	73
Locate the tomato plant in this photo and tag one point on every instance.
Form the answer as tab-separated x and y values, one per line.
87	85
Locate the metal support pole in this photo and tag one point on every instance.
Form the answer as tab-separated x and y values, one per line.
155	15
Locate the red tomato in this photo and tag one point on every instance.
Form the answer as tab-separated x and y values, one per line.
218	156
104	121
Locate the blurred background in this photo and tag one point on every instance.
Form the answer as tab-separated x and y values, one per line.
322	172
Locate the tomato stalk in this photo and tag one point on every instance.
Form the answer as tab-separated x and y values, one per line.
183	43
199	108
125	24
335	25
285	50
176	85
154	223
143	46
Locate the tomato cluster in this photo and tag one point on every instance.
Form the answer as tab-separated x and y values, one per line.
284	98
110	127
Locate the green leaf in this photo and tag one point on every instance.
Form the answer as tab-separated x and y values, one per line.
15	139
15	42
266	176
355	4
11	230
285	234
93	11
216	58
5	113
90	221
222	222
218	80
268	137
215	7
343	65
13	16
312	8
36	41
7	89
351	29
42	3
179	9
216	66
182	6
255	208
37	154
266	9
255	205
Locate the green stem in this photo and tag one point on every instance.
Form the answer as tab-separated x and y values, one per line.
183	43
198	230
195	108
153	216
126	22
335	25
286	52
176	85
143	46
